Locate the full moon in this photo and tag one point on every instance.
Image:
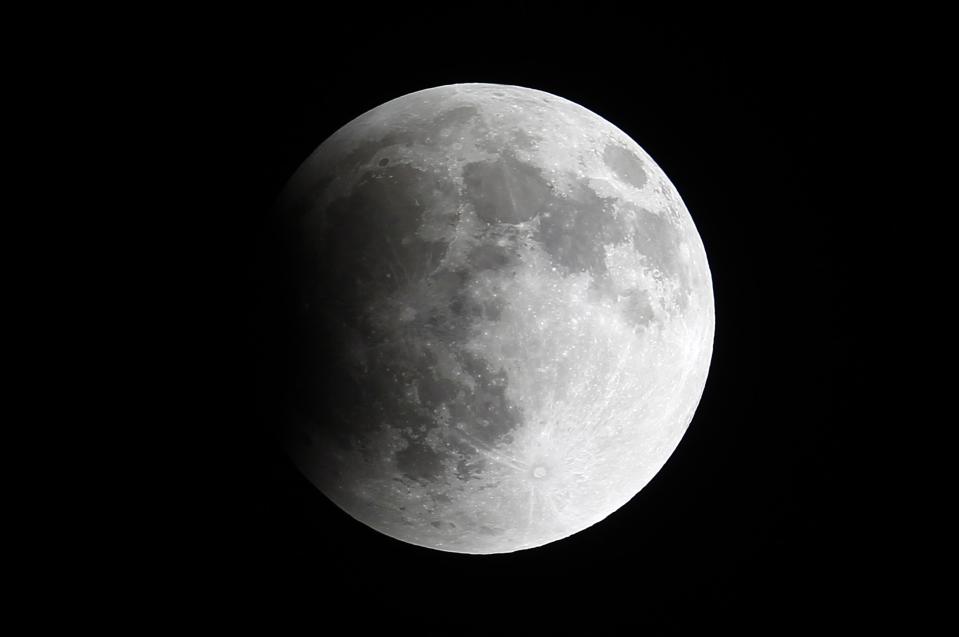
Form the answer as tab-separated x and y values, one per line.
504	318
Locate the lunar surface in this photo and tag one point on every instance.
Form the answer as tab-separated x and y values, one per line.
505	318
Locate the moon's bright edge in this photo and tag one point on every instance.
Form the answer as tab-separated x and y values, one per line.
508	318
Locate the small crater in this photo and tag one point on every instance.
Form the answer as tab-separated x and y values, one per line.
384	161
539	472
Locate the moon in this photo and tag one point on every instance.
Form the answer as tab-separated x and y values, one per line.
504	318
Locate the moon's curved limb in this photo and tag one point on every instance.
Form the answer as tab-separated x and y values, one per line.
514	306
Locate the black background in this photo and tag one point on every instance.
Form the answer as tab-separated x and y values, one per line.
751	522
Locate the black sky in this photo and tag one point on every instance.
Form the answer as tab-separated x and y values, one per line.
750	521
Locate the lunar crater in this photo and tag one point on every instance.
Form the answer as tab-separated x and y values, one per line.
625	165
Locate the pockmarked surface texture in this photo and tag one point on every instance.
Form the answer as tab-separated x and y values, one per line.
507	316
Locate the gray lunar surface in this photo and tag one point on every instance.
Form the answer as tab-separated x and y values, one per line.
508	318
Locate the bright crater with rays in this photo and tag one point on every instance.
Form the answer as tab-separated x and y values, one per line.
506	318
